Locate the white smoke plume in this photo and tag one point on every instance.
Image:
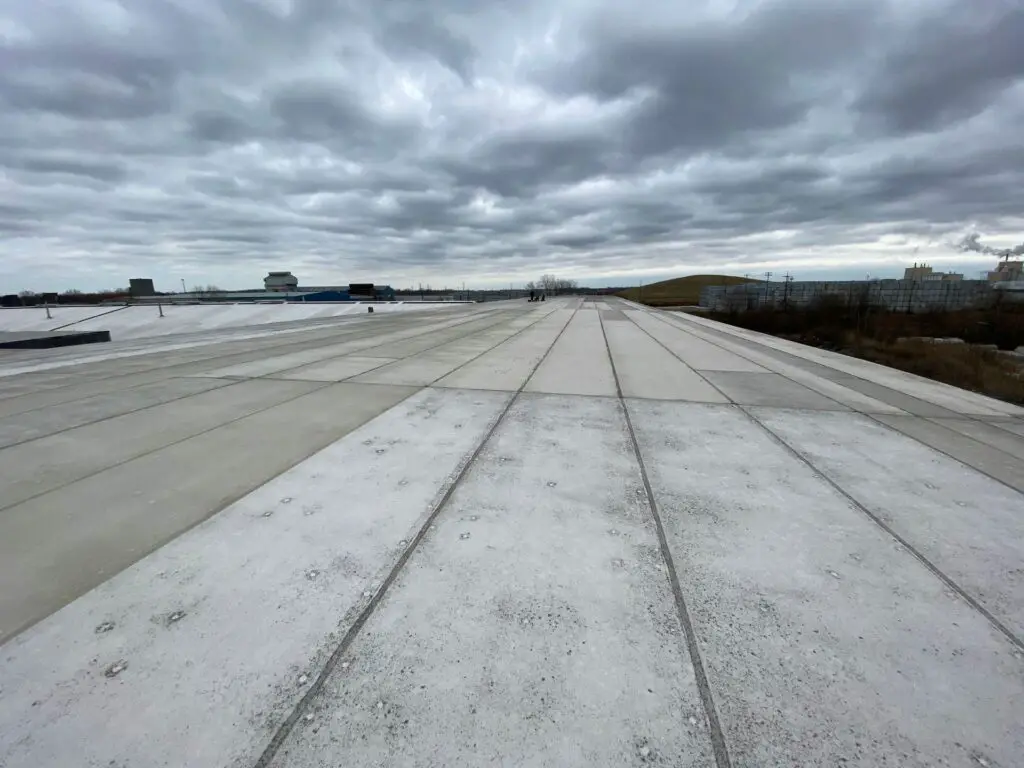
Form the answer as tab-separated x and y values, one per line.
971	243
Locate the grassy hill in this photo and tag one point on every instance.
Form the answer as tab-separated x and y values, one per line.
679	291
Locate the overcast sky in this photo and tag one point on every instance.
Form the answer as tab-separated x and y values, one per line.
489	141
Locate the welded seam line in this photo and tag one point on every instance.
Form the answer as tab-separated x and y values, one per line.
285	729
226	382
700	375
233	380
393	361
718	744
363	351
736	338
154	369
503	341
287	400
866	414
323	332
249	355
949	582
973	602
229	383
86	319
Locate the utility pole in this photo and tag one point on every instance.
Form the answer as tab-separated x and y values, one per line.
183	289
767	282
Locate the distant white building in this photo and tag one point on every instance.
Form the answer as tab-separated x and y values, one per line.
280	281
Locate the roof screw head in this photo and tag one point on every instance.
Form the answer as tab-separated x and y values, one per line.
116	668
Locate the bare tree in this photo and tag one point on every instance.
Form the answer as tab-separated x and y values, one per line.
555	285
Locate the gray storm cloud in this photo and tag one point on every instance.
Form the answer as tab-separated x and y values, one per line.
971	244
486	141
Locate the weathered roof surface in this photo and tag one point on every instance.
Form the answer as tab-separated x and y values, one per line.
558	534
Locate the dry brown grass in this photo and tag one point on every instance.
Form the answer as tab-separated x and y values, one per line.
962	365
875	335
680	291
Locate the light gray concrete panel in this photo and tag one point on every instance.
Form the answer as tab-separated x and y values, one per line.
578	363
507	366
811	375
647	369
145	355
431	365
59	545
260	591
422	369
335	370
969	526
825	642
407	347
982	457
123	373
992	435
12	386
54	461
422	334
202	353
1009	425
282	362
912	405
535	626
959	401
75	391
26	385
57	418
695	352
769	389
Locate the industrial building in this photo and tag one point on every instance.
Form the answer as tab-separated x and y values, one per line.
924	272
920	295
280	281
922	289
141	286
1007	272
340	293
285	286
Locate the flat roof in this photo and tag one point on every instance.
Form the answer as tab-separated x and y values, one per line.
562	533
